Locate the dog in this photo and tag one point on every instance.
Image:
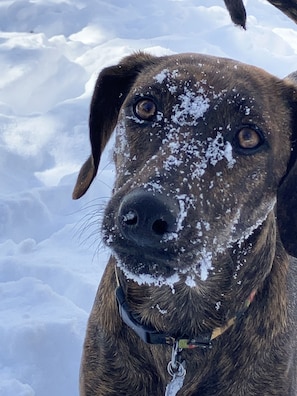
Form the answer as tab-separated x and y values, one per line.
199	294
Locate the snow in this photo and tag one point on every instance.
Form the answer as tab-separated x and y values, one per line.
192	105
51	255
147	279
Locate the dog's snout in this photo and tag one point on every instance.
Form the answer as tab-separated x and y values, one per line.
144	217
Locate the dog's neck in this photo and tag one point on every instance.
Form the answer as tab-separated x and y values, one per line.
153	336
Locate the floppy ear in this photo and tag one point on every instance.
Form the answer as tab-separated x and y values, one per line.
287	191
287	211
111	89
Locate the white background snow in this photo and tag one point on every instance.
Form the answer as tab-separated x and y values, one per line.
51	258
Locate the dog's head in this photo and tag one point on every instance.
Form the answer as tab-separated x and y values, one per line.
204	150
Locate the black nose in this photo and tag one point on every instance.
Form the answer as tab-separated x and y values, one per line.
145	218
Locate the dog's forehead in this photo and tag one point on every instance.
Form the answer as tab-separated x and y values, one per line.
212	74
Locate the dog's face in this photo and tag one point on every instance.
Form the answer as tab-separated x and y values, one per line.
202	145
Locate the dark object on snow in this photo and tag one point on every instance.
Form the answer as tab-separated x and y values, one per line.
238	14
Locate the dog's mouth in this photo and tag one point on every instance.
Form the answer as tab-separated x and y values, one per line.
164	268
153	269
163	264
143	259
146	266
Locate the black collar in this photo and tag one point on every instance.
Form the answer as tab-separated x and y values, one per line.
152	336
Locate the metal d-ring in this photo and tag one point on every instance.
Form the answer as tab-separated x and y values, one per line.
175	367
178	371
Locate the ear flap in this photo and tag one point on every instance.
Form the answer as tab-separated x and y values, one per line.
287	191
237	11
85	177
111	89
287	211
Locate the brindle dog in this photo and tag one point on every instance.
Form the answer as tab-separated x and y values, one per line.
202	227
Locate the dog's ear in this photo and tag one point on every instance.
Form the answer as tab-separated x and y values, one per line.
237	12
287	191
287	211
111	89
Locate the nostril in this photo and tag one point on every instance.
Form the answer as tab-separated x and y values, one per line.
130	218
160	227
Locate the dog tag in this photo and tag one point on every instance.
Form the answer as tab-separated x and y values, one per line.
175	384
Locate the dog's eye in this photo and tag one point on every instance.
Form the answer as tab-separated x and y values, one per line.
145	109
249	138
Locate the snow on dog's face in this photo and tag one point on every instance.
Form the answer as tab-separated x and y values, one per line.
196	144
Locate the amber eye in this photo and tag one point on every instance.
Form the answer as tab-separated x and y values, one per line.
145	109
249	138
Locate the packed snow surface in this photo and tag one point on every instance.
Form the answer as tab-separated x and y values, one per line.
51	255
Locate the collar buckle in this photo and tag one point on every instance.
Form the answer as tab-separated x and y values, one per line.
203	342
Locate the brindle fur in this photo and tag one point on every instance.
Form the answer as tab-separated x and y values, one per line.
238	14
257	356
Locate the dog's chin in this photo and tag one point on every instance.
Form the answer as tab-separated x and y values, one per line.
146	264
160	270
